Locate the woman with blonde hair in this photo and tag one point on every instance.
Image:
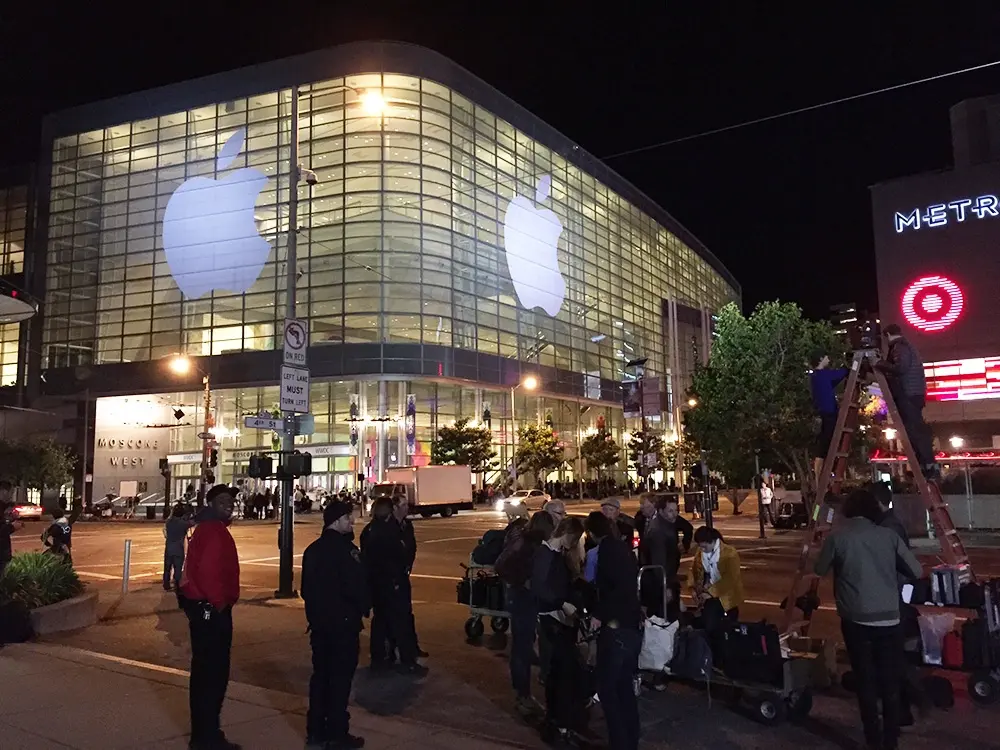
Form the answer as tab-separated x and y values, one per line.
556	569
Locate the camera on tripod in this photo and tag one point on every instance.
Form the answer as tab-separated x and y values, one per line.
867	335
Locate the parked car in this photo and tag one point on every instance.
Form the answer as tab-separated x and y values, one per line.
28	512
522	503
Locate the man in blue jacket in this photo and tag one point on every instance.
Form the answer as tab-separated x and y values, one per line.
823	382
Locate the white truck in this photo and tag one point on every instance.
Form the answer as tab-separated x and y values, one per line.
428	489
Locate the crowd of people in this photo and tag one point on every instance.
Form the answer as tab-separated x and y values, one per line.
569	579
341	586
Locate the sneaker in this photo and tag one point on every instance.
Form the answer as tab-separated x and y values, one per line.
422	654
347	742
413	670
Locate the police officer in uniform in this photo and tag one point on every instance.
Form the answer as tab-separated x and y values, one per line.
400	511
335	591
387	560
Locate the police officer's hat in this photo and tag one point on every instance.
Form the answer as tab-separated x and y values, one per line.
336	509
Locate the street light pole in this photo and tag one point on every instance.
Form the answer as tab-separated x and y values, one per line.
760	488
286	571
205	429
513	436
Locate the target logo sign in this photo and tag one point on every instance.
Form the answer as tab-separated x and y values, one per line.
932	303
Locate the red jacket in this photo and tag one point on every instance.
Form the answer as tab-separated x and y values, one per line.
212	567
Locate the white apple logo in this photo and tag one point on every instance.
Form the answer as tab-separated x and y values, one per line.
530	238
209	234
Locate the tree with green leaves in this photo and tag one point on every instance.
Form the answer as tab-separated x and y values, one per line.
464	445
600	451
37	464
681	454
643	444
538	451
754	393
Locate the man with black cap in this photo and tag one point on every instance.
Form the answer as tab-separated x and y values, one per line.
335	591
210	586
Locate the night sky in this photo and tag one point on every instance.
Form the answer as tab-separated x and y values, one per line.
784	204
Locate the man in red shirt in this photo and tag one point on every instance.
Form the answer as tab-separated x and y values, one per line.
210	587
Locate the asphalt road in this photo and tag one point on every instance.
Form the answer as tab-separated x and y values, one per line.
468	688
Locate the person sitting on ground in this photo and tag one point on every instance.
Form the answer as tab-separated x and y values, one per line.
715	574
865	559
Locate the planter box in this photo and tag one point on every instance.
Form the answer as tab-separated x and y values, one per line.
72	614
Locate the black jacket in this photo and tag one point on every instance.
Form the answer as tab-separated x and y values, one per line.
551	580
905	369
385	553
334	585
409	542
660	540
617	599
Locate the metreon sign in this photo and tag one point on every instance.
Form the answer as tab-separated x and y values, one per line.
942	214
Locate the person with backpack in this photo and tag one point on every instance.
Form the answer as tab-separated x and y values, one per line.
514	566
57	537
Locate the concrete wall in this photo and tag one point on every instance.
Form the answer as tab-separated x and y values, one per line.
130	438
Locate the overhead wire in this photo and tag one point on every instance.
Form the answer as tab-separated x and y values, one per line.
799	110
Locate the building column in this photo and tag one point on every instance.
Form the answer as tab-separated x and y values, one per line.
380	426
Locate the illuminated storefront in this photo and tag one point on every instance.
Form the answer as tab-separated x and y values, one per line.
449	244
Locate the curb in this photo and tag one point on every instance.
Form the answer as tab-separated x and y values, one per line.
291	703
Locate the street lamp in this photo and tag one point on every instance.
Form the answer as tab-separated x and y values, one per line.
956	442
890	433
182	365
373	103
692	402
529	383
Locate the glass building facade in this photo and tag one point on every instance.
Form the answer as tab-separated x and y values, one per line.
406	272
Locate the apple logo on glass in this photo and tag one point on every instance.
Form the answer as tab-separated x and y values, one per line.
209	234
530	238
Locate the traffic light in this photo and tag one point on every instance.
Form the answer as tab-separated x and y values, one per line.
213	457
210	476
164	468
261	467
298	464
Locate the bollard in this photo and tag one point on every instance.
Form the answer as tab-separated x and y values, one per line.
126	564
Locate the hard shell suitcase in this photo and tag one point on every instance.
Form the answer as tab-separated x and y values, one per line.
951	651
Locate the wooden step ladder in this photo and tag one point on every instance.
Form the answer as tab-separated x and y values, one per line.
802	596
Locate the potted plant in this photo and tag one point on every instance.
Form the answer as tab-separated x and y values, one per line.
45	590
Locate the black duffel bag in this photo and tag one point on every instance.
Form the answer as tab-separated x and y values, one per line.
752	652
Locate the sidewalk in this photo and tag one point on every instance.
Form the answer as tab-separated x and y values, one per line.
63	697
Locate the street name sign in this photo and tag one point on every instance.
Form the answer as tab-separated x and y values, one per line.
264	423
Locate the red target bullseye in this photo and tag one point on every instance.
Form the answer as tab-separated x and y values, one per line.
932	303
